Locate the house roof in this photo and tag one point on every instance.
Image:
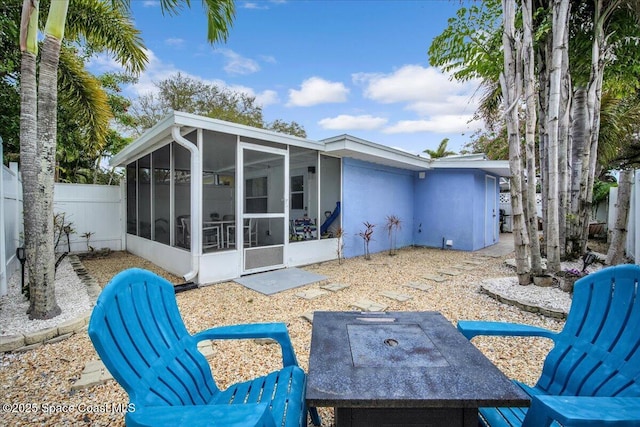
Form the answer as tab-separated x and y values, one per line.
340	146
162	132
350	146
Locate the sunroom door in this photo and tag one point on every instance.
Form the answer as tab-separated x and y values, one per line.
264	188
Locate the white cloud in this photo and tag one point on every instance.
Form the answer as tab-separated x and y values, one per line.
269	59
103	63
267	97
347	122
157	71
238	64
151	3
437	124
447	104
316	90
426	91
253	5
177	42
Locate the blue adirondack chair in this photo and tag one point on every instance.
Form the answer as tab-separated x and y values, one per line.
138	332
591	377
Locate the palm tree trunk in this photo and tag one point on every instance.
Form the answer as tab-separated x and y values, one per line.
560	14
29	137
510	80
592	124
616	253
564	148
43	299
528	59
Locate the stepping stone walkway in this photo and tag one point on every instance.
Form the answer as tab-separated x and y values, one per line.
450	272
334	287
463	267
396	296
420	286
436	278
311	294
95	373
308	317
367	305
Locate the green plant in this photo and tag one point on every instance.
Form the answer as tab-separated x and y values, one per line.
393	225
367	237
87	236
339	234
60	228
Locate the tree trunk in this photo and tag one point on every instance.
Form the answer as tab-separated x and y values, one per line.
29	161
564	148
528	59
510	80
616	253
29	164
43	303
560	14
592	124
578	143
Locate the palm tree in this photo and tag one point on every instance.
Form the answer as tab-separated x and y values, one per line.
441	151
38	124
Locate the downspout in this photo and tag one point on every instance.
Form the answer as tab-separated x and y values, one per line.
196	184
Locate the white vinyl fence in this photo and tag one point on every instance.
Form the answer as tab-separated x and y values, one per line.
633	229
90	209
94	210
11	220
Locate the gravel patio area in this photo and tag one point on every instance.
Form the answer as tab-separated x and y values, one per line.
37	384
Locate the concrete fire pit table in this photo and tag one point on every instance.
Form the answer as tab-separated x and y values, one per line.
401	369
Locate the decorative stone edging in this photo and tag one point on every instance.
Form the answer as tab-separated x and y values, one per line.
31	340
545	311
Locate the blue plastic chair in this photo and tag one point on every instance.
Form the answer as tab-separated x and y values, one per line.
591	377
138	332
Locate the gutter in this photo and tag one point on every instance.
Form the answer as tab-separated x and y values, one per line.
196	185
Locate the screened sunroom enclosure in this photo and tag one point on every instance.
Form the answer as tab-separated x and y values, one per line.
212	200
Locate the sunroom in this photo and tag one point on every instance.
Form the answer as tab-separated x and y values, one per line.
212	200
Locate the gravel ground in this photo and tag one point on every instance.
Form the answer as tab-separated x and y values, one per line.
37	384
72	299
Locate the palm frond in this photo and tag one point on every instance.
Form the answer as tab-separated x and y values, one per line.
84	94
109	28
220	14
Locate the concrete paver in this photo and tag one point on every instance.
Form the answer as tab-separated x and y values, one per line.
367	305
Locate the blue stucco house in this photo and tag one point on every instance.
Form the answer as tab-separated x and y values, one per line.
212	200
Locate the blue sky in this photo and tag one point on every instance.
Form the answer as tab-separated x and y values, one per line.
334	66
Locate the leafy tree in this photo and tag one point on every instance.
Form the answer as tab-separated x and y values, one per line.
598	53
491	142
292	128
182	93
441	151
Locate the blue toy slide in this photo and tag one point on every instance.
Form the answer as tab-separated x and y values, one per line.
327	222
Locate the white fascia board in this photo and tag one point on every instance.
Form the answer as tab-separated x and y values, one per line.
151	137
192	120
497	167
349	146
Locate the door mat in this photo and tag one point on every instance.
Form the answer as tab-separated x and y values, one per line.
276	281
